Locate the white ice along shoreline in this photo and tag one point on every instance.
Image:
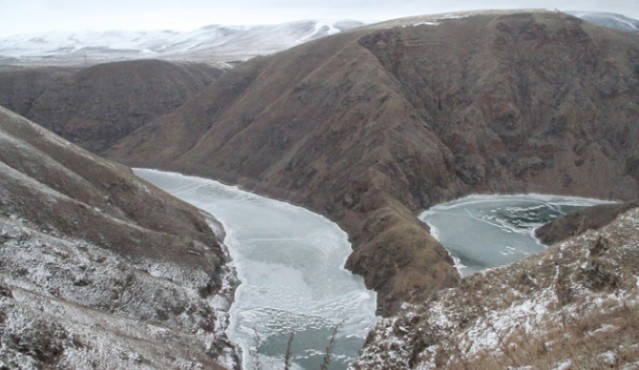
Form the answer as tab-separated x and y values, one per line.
481	231
290	264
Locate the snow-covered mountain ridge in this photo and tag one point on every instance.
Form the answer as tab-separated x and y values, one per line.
212	43
610	20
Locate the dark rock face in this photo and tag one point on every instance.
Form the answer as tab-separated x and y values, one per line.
371	126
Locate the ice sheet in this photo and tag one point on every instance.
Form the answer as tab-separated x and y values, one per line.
290	263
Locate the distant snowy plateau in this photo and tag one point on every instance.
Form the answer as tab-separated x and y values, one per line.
610	20
221	44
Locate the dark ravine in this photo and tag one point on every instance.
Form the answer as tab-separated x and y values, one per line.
371	126
91	254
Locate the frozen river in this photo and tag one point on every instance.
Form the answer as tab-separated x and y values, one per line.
482	231
289	261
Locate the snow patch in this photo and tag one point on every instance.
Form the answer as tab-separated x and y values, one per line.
436	20
426	23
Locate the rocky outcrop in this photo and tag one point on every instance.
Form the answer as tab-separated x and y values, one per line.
99	268
371	126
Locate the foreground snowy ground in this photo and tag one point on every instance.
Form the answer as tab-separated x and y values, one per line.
99	269
70	304
574	306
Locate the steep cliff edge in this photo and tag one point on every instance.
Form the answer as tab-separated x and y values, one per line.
99	268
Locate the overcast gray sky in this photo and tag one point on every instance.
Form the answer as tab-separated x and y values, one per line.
32	16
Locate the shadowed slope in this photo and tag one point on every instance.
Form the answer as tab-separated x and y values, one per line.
20	87
96	106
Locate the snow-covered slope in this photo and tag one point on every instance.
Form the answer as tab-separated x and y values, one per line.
99	269
68	303
610	20
210	43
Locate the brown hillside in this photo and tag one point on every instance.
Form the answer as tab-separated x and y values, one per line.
20	87
134	217
96	106
591	218
371	126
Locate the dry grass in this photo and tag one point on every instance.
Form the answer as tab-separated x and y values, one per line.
581	340
574	307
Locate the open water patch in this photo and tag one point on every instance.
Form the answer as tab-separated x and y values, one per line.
483	231
290	263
